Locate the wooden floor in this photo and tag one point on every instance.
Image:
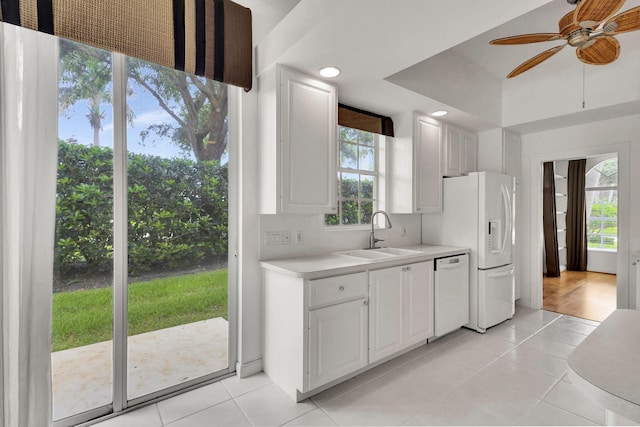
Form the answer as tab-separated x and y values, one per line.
582	294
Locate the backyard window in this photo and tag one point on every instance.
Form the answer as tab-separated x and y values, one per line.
602	205
357	175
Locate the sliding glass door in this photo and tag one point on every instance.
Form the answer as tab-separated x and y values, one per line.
141	299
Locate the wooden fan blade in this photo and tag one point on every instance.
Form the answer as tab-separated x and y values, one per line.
535	61
527	38
603	50
590	13
626	21
566	24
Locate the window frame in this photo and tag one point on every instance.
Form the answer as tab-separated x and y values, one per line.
601	219
376	175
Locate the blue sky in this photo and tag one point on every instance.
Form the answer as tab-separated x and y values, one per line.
74	124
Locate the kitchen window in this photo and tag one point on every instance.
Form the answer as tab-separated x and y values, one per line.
357	175
602	205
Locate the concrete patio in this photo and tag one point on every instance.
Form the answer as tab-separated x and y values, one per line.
83	376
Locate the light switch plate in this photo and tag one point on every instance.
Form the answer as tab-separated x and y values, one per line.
277	238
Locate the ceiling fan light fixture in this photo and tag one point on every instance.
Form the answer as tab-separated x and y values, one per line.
440	113
329	72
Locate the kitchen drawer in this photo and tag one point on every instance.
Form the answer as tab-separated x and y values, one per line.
335	289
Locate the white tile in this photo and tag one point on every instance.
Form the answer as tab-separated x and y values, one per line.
437	370
549	346
575	325
336	391
143	417
237	386
510	334
471	358
520	378
405	389
317	417
449	409
496	398
191	402
581	320
413	422
538	361
364	407
224	414
566	396
527	326
545	414
269	406
562	334
489	344
540	317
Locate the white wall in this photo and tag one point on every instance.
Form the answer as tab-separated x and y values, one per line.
320	239
620	136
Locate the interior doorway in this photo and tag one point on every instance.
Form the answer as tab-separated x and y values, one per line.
587	288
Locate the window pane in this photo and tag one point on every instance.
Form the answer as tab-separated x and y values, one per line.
367	138
366	209
349	212
348	134
348	155
177	241
82	316
366	159
349	185
366	187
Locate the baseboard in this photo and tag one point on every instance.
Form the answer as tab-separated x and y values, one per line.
244	370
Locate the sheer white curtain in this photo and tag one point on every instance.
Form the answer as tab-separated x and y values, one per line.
28	160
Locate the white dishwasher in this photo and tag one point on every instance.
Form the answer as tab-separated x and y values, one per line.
451	294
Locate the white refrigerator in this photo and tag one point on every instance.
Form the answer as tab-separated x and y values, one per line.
478	213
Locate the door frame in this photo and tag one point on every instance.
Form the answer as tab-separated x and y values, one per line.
625	293
120	402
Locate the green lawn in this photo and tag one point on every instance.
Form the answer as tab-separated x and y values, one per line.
85	317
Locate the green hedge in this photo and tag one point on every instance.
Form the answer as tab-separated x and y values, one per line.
177	211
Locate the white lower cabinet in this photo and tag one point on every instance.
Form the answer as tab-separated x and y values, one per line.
400	308
319	331
337	341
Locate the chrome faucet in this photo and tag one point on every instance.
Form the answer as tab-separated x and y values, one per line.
372	237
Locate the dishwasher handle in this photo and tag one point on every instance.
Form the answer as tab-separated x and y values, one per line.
451	263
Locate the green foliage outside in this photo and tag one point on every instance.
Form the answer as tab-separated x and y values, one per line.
177	212
603	234
85	317
350	211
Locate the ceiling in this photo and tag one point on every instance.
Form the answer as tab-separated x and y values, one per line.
426	55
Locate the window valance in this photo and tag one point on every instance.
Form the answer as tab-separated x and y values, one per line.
210	38
364	120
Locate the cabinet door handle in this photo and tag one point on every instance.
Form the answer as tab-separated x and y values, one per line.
366	302
341	288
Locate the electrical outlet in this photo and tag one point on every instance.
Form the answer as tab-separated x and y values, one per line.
403	231
277	238
298	237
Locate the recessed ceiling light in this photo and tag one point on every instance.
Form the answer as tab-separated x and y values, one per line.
329	72
439	113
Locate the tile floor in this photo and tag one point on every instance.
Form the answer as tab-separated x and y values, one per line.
515	374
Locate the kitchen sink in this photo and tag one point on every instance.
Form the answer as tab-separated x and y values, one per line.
396	251
379	253
367	254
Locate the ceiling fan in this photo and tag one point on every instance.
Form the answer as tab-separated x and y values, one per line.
589	28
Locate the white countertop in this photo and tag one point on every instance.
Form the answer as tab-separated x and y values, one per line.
606	365
314	266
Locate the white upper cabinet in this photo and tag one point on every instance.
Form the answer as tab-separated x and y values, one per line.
298	127
460	151
416	165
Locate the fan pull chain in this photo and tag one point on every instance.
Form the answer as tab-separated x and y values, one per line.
583	84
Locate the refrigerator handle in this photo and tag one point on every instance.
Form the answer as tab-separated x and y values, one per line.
506	204
504	273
